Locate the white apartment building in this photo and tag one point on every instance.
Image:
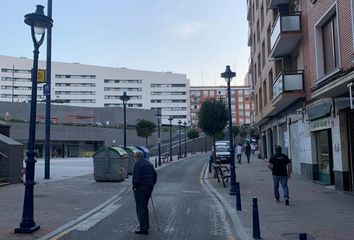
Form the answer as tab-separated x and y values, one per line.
96	86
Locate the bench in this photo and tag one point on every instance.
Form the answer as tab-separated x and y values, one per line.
165	157
222	172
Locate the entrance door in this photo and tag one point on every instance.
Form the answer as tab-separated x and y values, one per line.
324	157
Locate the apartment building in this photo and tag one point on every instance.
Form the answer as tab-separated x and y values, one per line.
82	85
241	104
301	65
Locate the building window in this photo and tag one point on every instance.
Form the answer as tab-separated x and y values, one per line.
327	49
270	84
262	16
265	93
352	4
263	55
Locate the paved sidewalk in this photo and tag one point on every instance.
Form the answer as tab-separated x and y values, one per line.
320	212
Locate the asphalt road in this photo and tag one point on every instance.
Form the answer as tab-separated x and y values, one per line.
185	209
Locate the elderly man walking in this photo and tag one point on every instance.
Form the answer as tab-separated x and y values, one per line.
144	179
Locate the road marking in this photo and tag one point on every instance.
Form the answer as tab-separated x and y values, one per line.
68	227
97	217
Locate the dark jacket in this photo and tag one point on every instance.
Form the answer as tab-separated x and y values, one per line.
144	174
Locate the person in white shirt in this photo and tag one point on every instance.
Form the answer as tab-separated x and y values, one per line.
239	152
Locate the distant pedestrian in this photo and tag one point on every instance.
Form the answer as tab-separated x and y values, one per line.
144	179
280	166
248	152
239	152
253	149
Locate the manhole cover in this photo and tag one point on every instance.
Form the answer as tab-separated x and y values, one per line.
295	236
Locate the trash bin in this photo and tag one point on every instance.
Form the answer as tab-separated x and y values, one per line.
110	164
145	151
131	160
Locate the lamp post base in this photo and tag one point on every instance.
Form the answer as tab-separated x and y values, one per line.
23	229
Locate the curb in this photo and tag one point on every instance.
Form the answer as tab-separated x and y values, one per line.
238	227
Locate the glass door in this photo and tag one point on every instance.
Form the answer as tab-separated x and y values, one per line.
324	157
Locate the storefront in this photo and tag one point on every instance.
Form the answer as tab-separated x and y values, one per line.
323	169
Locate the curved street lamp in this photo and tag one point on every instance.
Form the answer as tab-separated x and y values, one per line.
125	98
158	115
180	142
185	138
170	119
228	75
38	23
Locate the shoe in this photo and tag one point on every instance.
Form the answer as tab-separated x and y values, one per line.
143	232
287	202
277	200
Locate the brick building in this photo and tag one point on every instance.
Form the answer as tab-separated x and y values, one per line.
301	64
241	104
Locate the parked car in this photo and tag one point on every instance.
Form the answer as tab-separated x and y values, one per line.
223	143
222	154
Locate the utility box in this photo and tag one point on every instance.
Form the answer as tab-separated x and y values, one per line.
11	160
145	151
110	164
131	160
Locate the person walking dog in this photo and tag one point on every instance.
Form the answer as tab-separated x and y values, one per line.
280	166
144	179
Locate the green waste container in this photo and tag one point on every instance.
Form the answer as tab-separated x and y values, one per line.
131	160
110	164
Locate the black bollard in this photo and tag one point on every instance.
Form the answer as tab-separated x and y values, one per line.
238	197
256	230
155	162
302	236
210	161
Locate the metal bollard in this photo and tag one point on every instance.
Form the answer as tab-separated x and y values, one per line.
210	161
256	229
238	197
302	236
155	162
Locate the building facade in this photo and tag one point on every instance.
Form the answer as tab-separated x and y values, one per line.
241	104
301	66
95	86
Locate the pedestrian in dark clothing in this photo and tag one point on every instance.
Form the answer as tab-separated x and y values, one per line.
280	166
144	179
248	152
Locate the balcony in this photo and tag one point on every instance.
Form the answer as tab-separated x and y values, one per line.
249	39
275	3
286	34
288	88
249	10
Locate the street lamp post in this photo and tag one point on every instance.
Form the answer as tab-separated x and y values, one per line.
180	140
185	138
38	23
47	148
158	115
125	98
170	119
228	75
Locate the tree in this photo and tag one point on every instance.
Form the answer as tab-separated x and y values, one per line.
235	132
145	128
212	118
243	134
254	132
192	134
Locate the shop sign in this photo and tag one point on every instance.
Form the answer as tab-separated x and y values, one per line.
320	124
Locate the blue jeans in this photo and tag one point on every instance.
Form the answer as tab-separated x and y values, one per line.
284	184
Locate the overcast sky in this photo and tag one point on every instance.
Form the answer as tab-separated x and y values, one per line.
195	37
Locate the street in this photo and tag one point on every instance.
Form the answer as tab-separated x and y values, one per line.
184	209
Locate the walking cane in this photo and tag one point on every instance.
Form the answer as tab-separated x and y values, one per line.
153	208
